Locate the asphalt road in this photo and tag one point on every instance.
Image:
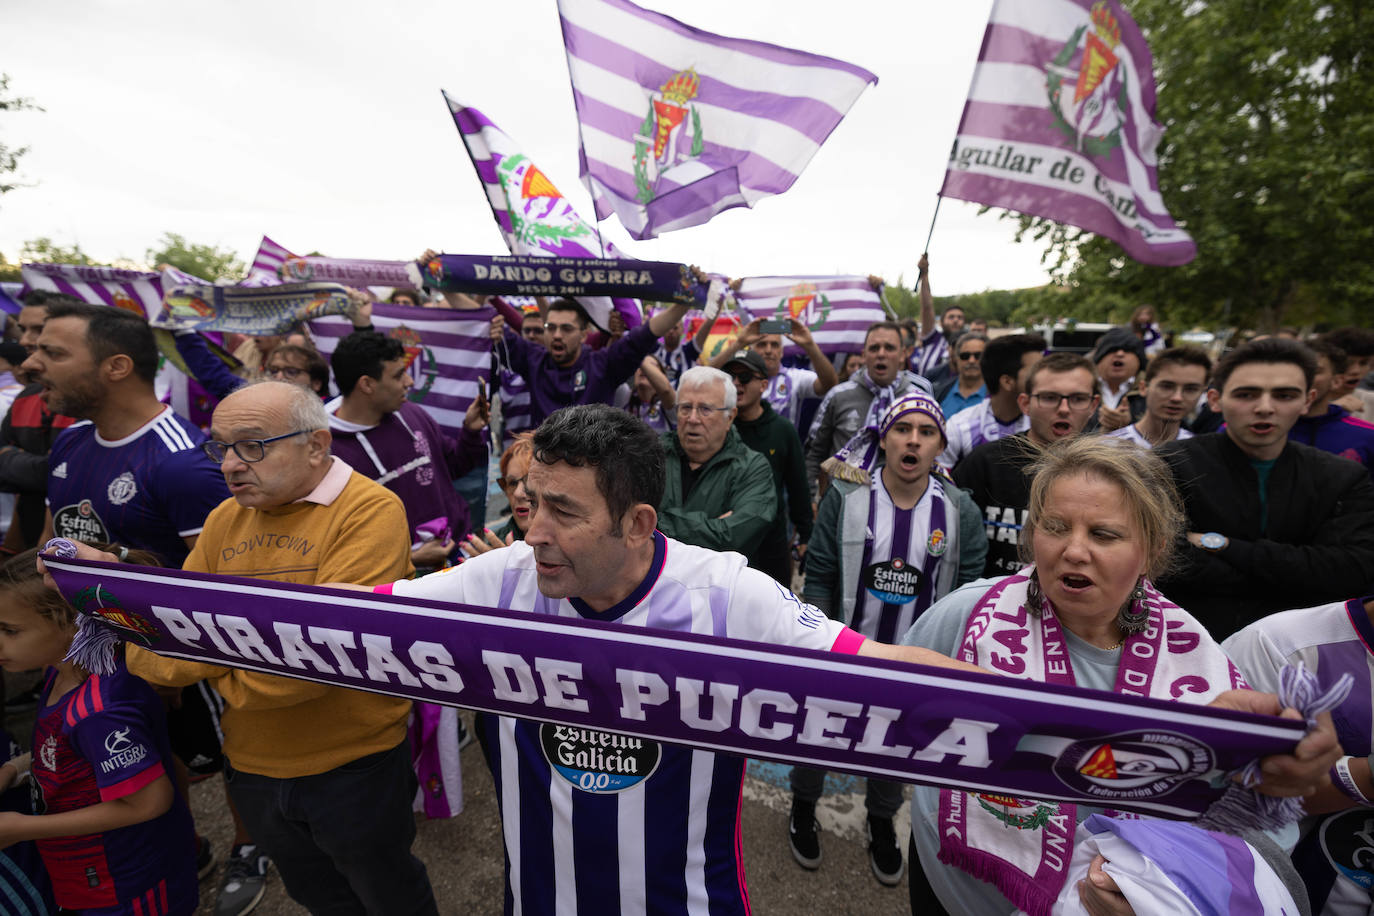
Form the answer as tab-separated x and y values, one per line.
463	854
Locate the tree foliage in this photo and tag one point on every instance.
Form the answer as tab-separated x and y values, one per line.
1267	160
9	155
209	262
44	250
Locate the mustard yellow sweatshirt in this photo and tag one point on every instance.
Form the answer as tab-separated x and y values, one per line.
283	727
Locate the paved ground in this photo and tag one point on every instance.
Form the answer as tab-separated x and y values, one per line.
463	854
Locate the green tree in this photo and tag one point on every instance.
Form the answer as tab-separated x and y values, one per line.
44	250
1267	160
9	155
208	262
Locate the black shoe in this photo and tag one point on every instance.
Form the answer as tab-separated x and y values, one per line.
801	832
883	852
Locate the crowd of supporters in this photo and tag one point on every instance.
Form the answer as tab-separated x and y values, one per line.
883	485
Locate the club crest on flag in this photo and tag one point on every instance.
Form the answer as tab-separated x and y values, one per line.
1088	102
670	134
296	270
539	214
420	362
805	303
126	302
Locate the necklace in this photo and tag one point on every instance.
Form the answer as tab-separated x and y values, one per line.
1118	645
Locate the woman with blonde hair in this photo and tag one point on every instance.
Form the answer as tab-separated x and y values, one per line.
1102	523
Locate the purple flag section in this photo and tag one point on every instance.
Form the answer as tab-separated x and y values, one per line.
448	351
837	310
679	124
138	291
9	298
981	733
1060	124
533	215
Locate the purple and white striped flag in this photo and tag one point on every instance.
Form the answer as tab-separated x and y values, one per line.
448	351
9	298
138	291
1060	124
266	267
534	216
679	124
837	310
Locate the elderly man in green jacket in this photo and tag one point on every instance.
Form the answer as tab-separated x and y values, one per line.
719	493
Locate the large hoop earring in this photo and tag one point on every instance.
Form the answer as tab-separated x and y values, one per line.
1035	598
1134	615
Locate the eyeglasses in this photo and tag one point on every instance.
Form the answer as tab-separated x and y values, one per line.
561	328
249	450
1051	400
701	410
509	483
286	371
977	357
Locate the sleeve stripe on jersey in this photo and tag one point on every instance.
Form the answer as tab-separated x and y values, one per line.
847	642
172	435
131	785
86	701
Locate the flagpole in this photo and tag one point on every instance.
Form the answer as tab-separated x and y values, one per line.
938	197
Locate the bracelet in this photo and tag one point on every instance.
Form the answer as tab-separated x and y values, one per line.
1340	775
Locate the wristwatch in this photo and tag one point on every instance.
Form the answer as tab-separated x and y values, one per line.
1213	541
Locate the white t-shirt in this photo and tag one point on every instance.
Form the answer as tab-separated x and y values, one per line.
788	389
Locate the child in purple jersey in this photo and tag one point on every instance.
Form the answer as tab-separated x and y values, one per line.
114	834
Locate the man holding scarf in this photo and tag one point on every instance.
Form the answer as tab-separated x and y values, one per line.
859	403
885	547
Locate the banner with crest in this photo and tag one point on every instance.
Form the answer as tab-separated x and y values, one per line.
679	124
447	351
837	310
1060	124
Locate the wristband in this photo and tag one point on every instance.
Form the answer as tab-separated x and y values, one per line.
1343	780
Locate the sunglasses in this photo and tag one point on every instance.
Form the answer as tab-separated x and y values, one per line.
976	357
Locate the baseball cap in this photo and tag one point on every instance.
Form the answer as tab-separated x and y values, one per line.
749	359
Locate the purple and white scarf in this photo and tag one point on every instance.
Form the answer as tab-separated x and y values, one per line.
1023	846
862	448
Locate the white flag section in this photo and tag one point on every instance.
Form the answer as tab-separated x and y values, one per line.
837	310
1060	124
679	124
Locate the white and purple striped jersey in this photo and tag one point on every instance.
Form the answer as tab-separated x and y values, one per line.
1131	434
930	354
902	549
971	427
148	490
663	842
788	389
1335	856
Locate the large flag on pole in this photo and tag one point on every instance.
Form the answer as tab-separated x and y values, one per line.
534	216
1060	124
679	124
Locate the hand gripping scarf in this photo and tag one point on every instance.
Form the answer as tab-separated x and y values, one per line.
1023	846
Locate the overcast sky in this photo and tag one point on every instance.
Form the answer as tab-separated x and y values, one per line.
321	125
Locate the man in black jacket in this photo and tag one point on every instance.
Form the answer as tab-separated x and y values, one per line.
1272	524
